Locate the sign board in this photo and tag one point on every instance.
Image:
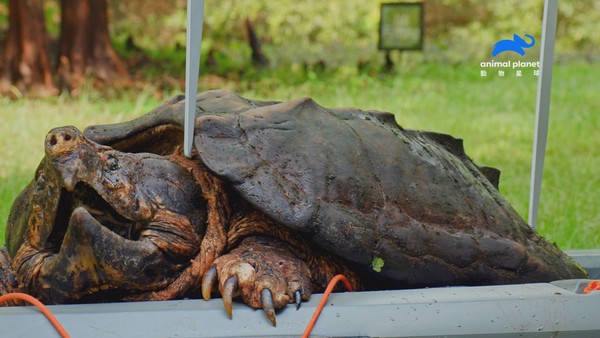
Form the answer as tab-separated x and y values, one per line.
401	26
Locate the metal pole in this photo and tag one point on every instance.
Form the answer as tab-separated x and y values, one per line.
542	107
195	15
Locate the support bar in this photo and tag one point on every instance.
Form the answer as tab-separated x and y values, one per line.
195	15
542	107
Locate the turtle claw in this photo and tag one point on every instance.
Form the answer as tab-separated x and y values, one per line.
229	288
266	297
298	299
208	280
264	274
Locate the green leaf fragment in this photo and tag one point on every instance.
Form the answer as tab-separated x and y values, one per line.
377	263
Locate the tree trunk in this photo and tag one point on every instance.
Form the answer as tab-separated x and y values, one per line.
26	65
258	57
84	46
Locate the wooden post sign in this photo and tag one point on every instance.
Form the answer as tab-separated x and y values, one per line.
401	26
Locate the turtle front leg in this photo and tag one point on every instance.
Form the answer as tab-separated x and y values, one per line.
264	272
8	278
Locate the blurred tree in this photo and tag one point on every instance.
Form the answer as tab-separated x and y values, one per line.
26	64
84	46
258	57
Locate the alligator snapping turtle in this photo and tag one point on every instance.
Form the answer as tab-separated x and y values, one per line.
278	198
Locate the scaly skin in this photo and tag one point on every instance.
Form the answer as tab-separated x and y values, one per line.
261	261
265	256
8	278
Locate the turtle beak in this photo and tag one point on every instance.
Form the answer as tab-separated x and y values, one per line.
91	259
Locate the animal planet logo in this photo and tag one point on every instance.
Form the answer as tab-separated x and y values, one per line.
516	45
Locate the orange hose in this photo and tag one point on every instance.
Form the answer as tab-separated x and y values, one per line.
593	285
22	296
321	305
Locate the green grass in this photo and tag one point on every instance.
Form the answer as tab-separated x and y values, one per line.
494	116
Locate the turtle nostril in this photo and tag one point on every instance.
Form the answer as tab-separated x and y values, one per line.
60	140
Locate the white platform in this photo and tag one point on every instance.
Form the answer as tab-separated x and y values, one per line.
525	310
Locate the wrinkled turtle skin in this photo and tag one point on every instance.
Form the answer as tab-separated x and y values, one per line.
96	219
278	198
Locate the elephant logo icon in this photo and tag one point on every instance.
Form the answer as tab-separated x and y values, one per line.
516	45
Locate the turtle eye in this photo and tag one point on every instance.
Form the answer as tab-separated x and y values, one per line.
112	164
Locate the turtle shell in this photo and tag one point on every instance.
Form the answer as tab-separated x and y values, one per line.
359	186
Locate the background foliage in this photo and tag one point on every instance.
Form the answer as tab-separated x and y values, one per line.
336	33
305	32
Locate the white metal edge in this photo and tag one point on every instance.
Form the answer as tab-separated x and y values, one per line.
525	310
542	107
195	15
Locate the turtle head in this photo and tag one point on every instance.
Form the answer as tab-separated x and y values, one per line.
90	206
